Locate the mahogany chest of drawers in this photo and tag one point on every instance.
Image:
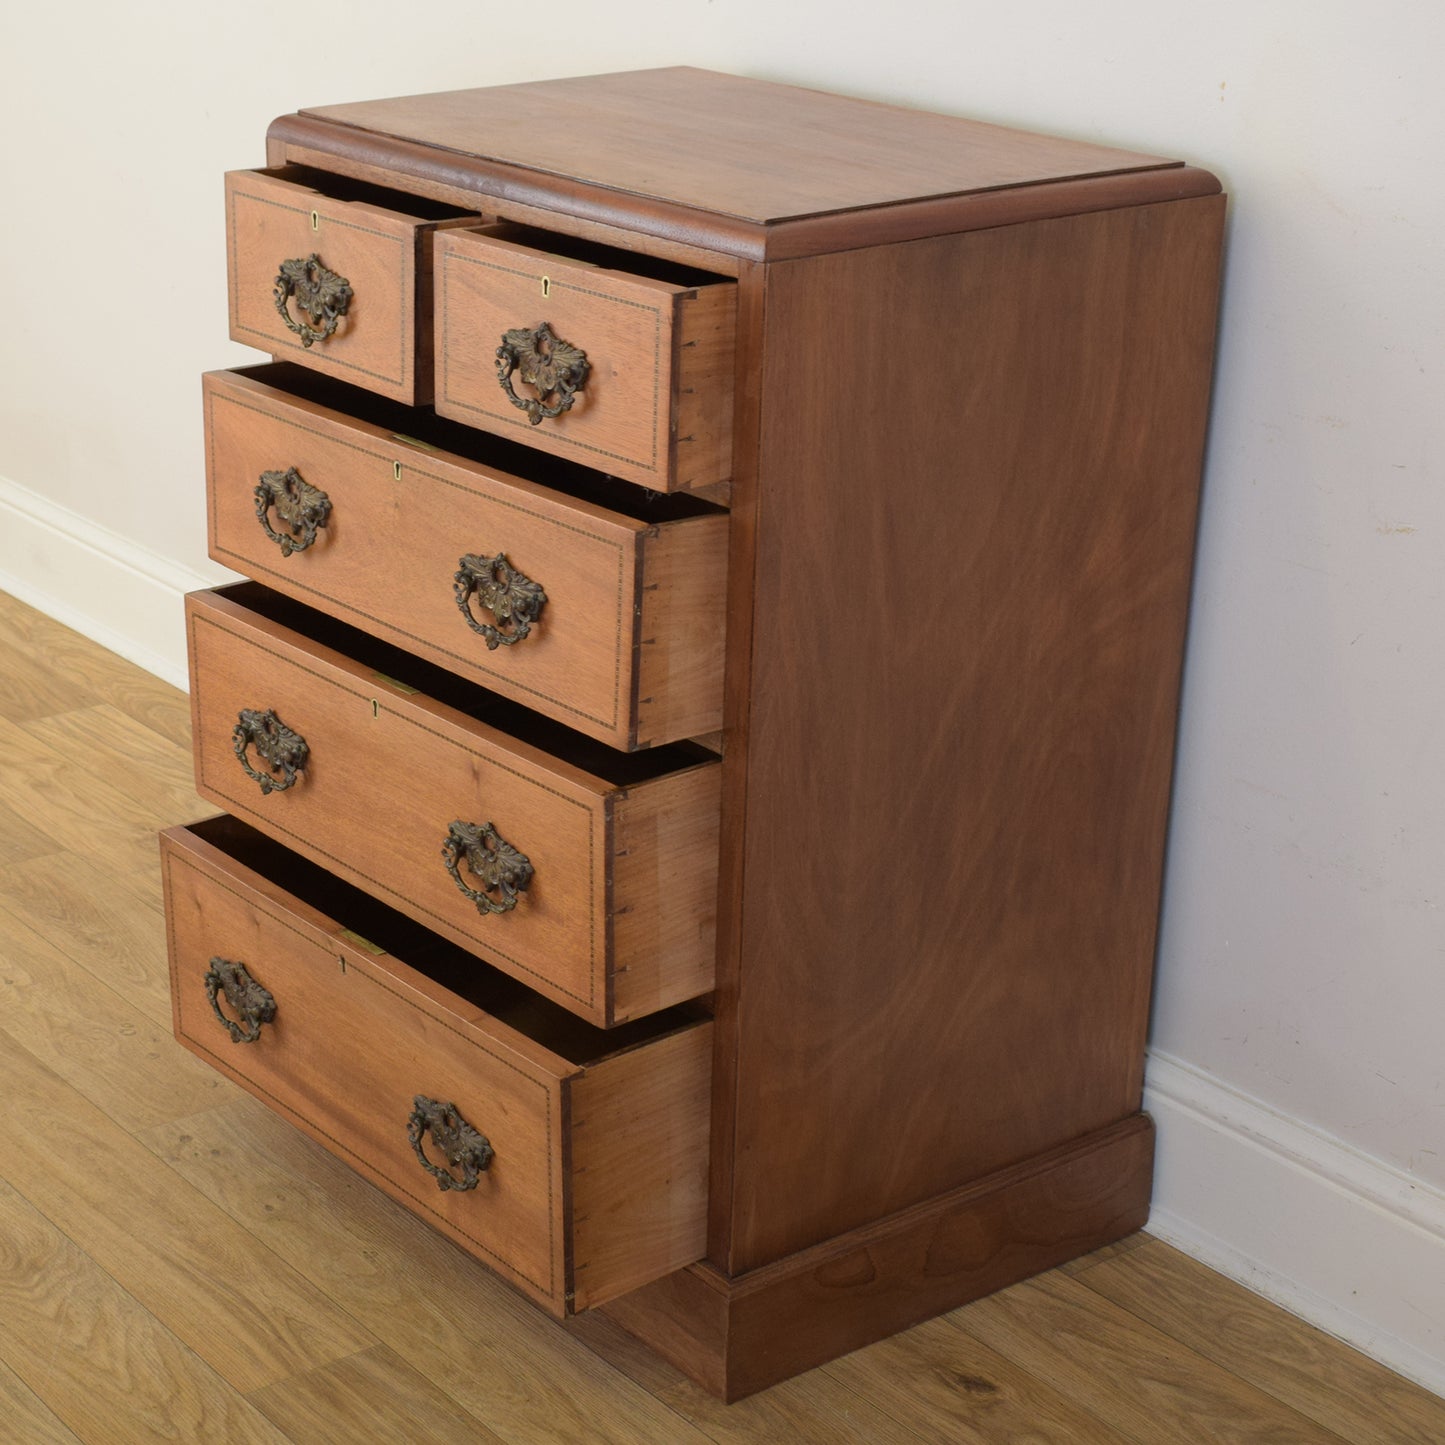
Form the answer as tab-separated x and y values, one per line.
696	745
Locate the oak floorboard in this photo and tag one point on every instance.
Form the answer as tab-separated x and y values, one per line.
95	1038
108	923
25	1414
1337	1387
441	1312
20	840
65	801
91	672
812	1408
368	1396
1141	1383
245	1312
96	1359
935	1378
158	774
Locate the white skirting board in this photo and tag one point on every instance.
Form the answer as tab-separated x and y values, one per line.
1347	1242
112	590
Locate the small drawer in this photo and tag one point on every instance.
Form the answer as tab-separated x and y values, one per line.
594	602
588	873
576	1165
335	274
618	361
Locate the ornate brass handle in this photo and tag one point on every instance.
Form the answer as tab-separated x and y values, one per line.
280	748
246	997
321	294
463	1147
302	507
501	868
553	366
510	596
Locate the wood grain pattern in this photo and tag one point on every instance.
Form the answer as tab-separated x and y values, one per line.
107	922
987	176
420	765
98	1365
751	149
74	1344
387	558
681	631
663	919
85	1029
373	1395
599	1165
28	1415
248	1316
644	343
924	1379
639	1125
479	1342
1061	1332
383	340
353	1042
742	1334
988	750
812	1409
1333	1385
84	671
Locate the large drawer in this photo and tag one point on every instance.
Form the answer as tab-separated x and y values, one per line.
588	873
619	361
589	1177
336	274
596	603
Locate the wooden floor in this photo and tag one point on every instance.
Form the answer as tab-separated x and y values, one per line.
177	1264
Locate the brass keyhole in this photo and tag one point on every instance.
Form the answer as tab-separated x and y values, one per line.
546	285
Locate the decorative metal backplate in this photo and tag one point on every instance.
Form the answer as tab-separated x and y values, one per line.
300	506
490	858
510	596
320	294
246	997
284	752
555	368
462	1146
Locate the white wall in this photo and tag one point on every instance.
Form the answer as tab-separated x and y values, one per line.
1302	966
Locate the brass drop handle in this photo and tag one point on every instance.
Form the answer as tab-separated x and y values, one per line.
513	599
283	751
555	368
320	294
302	508
246	997
490	858
460	1144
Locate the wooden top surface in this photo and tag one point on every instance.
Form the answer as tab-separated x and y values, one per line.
747	149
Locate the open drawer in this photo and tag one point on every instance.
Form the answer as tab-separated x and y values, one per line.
335	274
571	1160
613	359
588	874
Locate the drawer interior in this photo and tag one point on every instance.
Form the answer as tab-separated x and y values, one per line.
422	425
383	198
621	769
486	988
606	258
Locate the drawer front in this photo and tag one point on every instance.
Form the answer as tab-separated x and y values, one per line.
610	908
343	286
602	621
356	1047
635	374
